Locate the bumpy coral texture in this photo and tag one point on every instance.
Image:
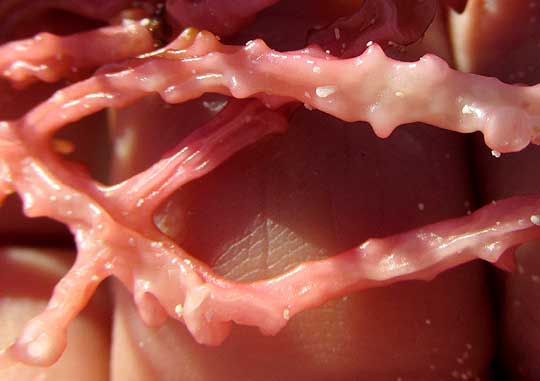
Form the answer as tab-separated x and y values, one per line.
113	225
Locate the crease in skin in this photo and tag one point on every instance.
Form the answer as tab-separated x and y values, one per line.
113	225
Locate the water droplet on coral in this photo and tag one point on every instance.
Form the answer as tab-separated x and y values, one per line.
325	91
179	310
535	219
286	314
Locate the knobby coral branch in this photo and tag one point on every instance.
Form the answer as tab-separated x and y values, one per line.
424	91
113	228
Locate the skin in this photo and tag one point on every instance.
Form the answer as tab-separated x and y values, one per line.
319	189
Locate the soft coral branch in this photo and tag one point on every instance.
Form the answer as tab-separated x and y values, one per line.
112	243
49	58
426	91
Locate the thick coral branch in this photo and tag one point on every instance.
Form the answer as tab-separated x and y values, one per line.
424	91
